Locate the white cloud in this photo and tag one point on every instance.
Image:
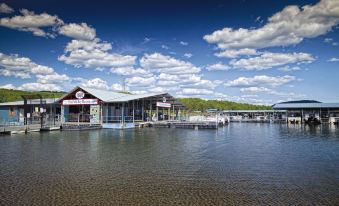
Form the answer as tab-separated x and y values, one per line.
140	81
52	78
177	79
39	87
328	40
146	40
232	53
203	83
287	27
218	67
268	60
130	71
183	43
31	22
259	81
188	55
289	69
255	89
4	8
164	47
22	67
157	62
118	87
96	83
78	31
94	54
194	91
333	59
291	95
8	86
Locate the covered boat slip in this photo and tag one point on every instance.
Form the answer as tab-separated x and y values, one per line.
309	111
107	109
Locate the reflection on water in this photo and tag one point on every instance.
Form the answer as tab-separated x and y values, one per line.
240	164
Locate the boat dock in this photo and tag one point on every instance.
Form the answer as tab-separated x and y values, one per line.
17	129
180	124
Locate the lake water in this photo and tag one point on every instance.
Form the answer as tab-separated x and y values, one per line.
240	164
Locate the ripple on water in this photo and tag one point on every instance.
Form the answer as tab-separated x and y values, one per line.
241	164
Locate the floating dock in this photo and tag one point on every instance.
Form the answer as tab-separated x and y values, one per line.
185	125
6	130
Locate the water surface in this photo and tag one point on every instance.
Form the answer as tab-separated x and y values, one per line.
240	164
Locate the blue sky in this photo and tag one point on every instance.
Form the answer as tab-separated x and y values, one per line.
259	52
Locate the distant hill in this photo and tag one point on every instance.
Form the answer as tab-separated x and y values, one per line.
197	104
10	95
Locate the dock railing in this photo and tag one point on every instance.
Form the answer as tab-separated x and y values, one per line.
117	119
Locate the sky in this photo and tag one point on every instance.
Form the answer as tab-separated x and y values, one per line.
252	51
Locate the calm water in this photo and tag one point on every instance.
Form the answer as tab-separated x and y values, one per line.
240	164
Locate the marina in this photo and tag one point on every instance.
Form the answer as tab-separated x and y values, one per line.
87	109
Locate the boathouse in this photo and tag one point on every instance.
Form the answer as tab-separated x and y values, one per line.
305	111
93	107
30	111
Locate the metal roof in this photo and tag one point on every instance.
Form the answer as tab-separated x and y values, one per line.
31	101
306	105
109	96
251	111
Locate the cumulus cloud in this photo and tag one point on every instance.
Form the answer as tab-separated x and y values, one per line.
255	89
78	31
232	53
259	81
218	67
39	87
96	83
118	87
268	60
52	78
8	86
4	8
140	81
94	54
194	91
22	67
287	27
157	62
31	22
130	71
291	95
289	69
188	55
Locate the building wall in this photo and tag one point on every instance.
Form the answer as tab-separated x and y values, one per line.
9	114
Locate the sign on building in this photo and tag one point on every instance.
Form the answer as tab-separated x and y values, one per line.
79	101
80	95
94	114
163	104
